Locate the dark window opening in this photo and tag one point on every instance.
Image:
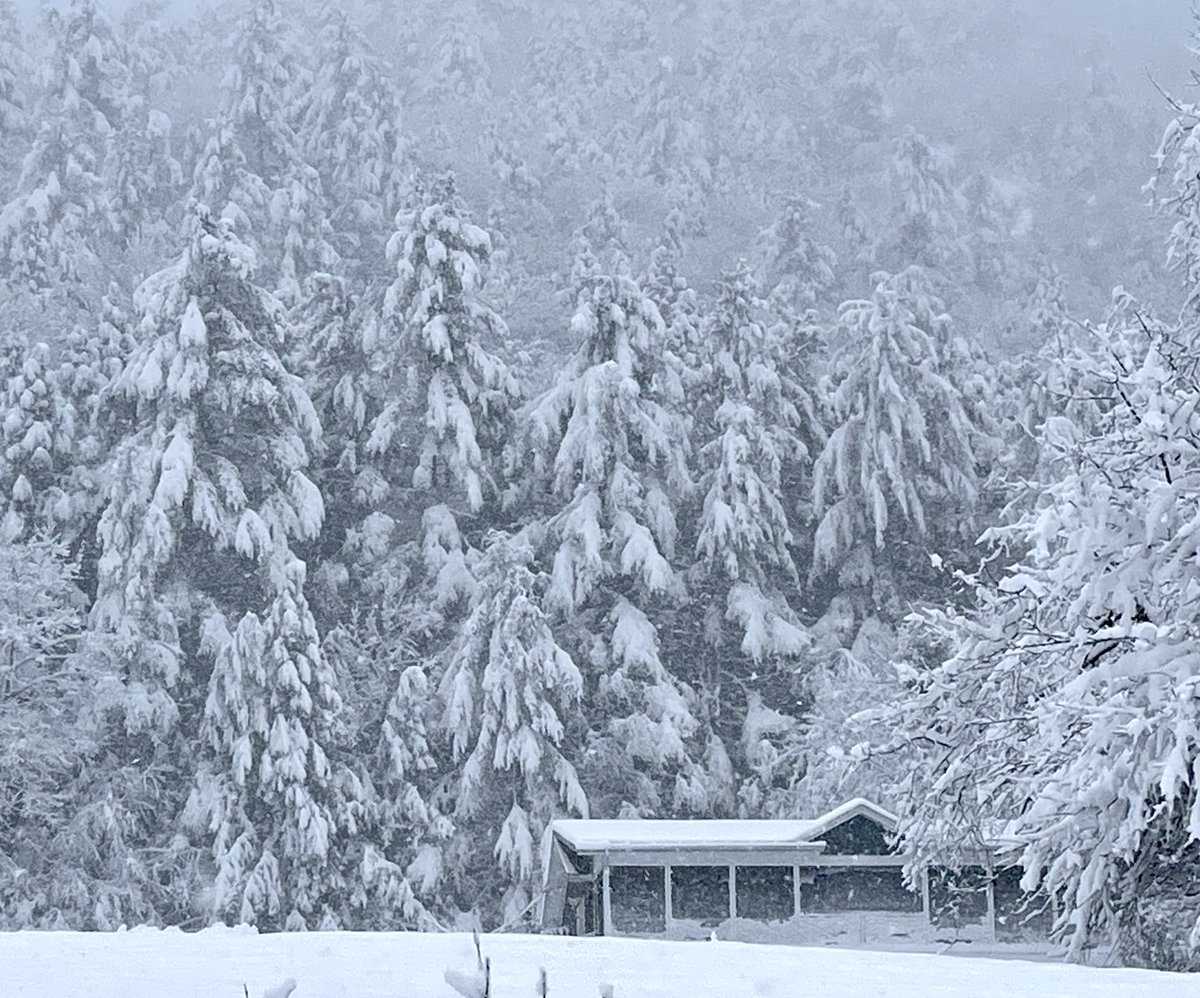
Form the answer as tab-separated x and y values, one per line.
700	893
861	889
764	893
638	898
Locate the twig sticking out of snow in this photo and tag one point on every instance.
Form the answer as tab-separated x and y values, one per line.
607	991
476	983
541	986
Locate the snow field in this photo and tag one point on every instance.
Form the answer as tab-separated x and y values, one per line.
218	963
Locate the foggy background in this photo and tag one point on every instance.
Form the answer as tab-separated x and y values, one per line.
425	419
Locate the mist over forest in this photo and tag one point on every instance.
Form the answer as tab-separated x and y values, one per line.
424	420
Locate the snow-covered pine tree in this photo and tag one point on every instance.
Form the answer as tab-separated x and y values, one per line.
725	83
413	832
669	146
510	695
55	225
901	447
267	790
38	438
1047	307
385	626
507	164
608	452
988	223
666	285
203	595
144	173
337	373
925	225
349	130
854	95
457	68
666	258
418	407
253	169
304	232
601	243
15	98
566	71
797	270
159	48
90	356
223	180
376	606
446	428
261	89
858	256
753	433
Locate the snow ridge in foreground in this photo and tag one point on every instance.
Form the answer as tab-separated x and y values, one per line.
219	963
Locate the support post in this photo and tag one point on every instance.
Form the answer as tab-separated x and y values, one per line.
606	888
991	900
926	905
732	892
795	890
668	900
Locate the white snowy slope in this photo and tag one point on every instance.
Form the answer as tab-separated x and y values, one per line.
148	963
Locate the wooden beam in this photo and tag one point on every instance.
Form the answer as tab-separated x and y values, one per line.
732	891
926	905
795	890
864	859
804	855
790	857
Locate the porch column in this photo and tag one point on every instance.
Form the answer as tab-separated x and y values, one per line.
795	890
926	906
991	900
668	913
732	891
606	903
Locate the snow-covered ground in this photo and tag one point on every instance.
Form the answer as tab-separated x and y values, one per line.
146	963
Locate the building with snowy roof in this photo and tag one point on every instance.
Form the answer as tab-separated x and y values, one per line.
835	878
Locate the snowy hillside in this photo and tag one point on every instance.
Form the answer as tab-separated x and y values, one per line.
422	421
147	963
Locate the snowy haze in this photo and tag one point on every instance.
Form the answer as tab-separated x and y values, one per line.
425	420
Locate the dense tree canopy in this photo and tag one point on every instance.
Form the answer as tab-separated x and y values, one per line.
397	452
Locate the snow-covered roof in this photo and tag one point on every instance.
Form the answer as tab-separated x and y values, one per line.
597	835
590	835
852	809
